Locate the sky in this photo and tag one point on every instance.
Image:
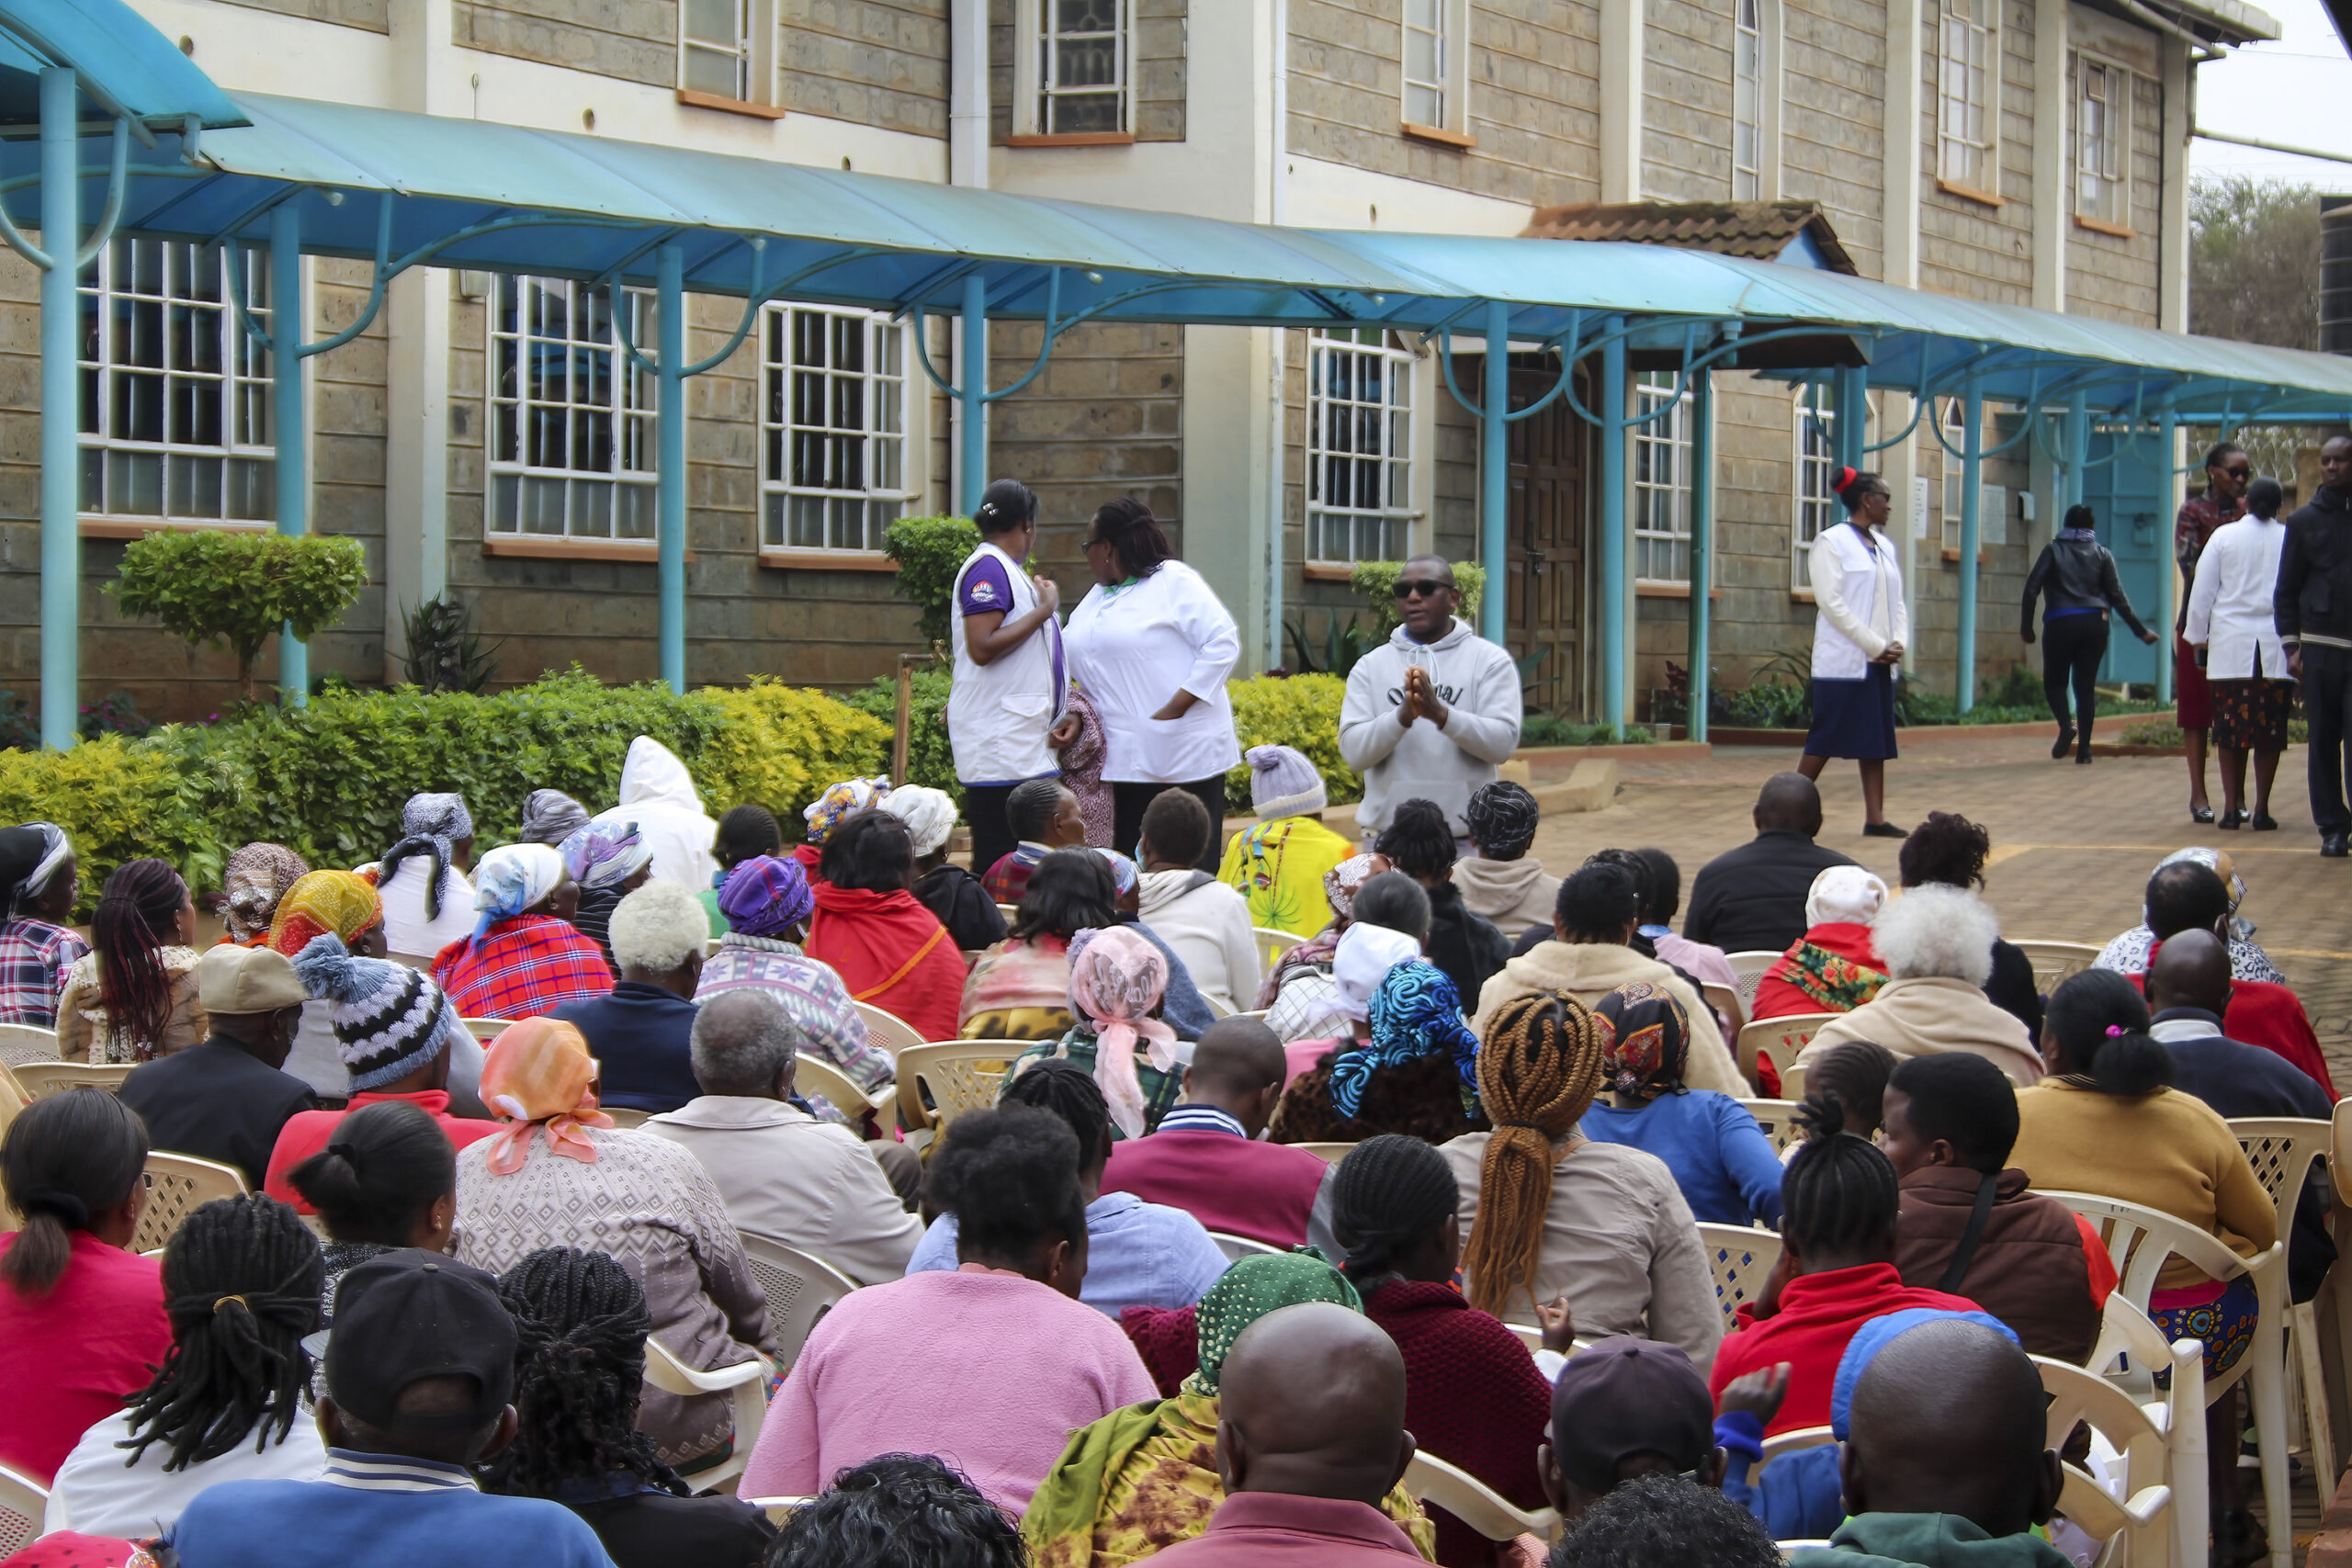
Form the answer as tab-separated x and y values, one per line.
2297	91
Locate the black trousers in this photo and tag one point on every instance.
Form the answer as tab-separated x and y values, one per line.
2072	647
984	814
1128	801
2327	707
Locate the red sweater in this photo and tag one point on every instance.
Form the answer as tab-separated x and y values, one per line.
306	1133
2265	1013
1818	1314
69	1359
1258	1190
890	951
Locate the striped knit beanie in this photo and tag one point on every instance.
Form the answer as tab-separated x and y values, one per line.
388	1019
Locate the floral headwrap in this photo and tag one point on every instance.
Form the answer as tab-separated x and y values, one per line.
538	1073
1416	1012
846	798
765	896
1651	1040
928	814
1124	876
1340	883
511	879
337	903
1253	1288
1115	979
253	882
598	859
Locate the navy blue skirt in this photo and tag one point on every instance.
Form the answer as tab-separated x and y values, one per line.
1853	718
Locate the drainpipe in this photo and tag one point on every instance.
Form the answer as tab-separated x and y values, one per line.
1616	631
1971	491
1494	477
60	402
968	164
286	364
1277	211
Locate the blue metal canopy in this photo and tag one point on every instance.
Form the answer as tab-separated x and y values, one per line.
125	69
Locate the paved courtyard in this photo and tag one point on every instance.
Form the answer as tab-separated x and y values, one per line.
2072	846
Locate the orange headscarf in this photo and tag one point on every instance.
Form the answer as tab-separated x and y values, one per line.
324	901
538	1073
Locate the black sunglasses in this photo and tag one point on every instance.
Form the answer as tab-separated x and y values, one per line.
2239	472
1408	586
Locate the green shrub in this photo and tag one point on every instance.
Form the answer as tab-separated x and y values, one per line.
1543	730
781	746
1376	581
930	761
1297	710
930	550
241	588
118	800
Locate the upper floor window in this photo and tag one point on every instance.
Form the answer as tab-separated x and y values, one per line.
1082	67
1436	42
833	427
1661	490
1359	447
1817	506
571	440
1747	100
175	419
1968	95
714	47
2103	142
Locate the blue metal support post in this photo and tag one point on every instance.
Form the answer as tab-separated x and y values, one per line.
1971	468
1850	387
60	405
2167	573
290	414
670	459
1616	632
1494	492
2078	451
971	388
1703	529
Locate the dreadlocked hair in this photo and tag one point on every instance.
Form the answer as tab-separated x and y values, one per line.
1418	841
1386	1195
579	1328
241	1282
1070	1092
1839	1192
136	912
1539	1067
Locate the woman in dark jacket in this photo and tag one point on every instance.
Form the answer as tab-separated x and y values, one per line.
1419	841
2078	574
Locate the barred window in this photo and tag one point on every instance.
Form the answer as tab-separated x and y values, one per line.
1968	118
1359	447
1661	488
571	440
833	427
1817	506
1081	66
177	424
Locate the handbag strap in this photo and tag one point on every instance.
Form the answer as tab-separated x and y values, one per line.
1987	1190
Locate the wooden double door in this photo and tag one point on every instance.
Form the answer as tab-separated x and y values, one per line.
1546	611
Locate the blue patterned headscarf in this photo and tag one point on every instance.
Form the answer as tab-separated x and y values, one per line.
1415	1014
600	858
511	879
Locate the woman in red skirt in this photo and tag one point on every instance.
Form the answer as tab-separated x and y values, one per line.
2227	469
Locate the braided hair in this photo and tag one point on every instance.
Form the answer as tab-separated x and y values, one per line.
68	1158
1502	817
1418	841
1839	1192
241	1282
1539	1067
1070	1092
579	1328
1388	1195
137	909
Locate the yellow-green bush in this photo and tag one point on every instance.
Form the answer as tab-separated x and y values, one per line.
1294	710
118	800
780	745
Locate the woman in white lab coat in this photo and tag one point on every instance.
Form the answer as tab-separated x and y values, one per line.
1151	645
2236	638
1858	639
1004	712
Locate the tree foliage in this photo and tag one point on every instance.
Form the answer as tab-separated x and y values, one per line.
240	588
2253	260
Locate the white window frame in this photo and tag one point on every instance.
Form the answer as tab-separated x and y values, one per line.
1658	480
1035	87
745	50
1336	448
2103	174
794	476
1968	95
1747	117
186	326
1814	454
591	502
1436	92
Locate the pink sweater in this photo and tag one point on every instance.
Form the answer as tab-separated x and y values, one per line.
1006	1369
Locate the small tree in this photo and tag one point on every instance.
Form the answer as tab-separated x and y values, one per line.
241	588
929	551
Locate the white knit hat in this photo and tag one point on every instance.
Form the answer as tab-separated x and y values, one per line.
1282	782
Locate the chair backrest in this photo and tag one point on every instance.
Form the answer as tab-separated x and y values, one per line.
2142	1509
41	1079
21	1043
2054	960
1724	999
626	1115
1749	967
1272	944
23	1501
411	961
1217	1009
959	1075
1330	1153
814	1074
487	1028
2139	1239
746	1385
1237	1247
779	1509
1010	911
2339	1159
886	1029
1740	1257
1789	1442
1434	1482
178	1186
801	1288
1779	1040
2280	1149
1778	1118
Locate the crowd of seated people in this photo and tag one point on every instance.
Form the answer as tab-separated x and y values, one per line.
1120	1313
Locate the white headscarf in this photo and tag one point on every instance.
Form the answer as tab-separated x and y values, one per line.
1364	958
1846	893
511	879
928	814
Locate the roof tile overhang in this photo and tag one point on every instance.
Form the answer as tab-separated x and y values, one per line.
1759	230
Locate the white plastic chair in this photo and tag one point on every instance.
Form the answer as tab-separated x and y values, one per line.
1748	968
2157	1514
178	1185
1789	1442
2055	961
1740	1257
21	1043
745	1384
41	1079
23	1501
779	1509
2139	1241
1237	1247
1780	1041
814	1074
411	961
886	1029
1776	1119
487	1028
961	1075
1272	944
1217	1009
801	1288
1476	1505
1329	1154
2281	1149
626	1116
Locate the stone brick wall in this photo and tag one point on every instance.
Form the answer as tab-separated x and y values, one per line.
1833	123
1967	248
636	41
878	63
1686	102
366	14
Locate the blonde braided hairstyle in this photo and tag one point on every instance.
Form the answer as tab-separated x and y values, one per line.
1539	1067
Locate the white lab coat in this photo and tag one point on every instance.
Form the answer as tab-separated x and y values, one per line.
658	795
998	713
2230	604
1859	592
1131	649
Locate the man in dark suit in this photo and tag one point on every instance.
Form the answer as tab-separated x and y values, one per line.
226	1100
1751	900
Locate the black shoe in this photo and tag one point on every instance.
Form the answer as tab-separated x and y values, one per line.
2231	821
2083	757
2200	814
2333	845
2263	822
2065	739
1884	831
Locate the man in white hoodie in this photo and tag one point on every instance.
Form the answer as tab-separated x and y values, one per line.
657	796
1430	712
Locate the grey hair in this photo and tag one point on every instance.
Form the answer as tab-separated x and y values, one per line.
658	927
1937	932
743	1039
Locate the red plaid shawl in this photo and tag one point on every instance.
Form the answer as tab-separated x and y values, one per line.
530	964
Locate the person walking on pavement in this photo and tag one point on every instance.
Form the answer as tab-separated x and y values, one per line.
2313	614
2232	622
1431	711
2078	574
2227	469
1009	674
